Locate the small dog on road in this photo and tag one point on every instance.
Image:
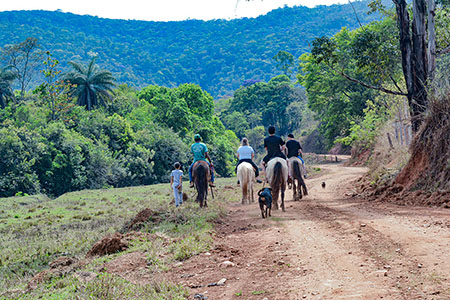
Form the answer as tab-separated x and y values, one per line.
265	200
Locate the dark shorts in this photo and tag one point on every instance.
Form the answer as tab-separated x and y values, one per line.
267	158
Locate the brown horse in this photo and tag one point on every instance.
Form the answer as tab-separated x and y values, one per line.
277	175
296	171
201	175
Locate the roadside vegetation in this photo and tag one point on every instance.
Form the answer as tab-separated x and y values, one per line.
36	230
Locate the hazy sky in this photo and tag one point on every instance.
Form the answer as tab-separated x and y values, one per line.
162	10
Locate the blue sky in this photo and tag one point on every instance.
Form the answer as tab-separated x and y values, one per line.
162	10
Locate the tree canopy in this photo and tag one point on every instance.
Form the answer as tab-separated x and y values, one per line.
217	55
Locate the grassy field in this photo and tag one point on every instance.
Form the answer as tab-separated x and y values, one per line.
35	230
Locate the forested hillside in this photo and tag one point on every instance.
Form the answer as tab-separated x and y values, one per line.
218	55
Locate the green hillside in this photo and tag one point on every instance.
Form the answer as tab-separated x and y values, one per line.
218	55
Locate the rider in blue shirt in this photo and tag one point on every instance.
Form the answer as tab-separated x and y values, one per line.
200	152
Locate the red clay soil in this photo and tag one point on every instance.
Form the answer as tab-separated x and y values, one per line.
414	169
59	267
108	245
141	218
326	246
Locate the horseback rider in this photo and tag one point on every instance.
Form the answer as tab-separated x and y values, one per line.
294	149
274	146
200	152
245	153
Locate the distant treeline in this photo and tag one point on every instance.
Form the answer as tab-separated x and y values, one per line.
218	55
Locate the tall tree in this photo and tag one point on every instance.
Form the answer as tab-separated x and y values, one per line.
91	85
418	54
23	58
285	61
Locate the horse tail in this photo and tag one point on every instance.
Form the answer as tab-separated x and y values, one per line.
201	183
298	175
277	179
297	171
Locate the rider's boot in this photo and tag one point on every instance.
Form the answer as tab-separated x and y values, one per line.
191	184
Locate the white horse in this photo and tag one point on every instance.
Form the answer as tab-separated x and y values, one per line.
246	177
277	174
296	172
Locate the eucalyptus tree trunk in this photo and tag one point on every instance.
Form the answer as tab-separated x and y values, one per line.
413	47
431	54
420	61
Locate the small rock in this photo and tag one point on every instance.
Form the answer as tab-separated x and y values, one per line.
227	264
200	297
221	281
387	267
363	225
178	264
419	266
207	254
383	272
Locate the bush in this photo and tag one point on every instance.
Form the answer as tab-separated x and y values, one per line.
20	151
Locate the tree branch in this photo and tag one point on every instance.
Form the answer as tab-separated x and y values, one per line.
395	83
369	86
443	51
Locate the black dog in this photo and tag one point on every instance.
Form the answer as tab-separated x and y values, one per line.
265	199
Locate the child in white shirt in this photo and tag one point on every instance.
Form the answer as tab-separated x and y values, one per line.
176	184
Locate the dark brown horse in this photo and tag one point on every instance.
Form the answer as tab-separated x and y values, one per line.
277	175
297	178
201	175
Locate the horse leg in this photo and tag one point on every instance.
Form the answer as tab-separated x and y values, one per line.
299	191
275	200
305	191
294	188
282	198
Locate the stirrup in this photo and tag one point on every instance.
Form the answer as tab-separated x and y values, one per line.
211	184
191	184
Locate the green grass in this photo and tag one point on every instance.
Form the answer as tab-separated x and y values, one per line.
35	230
258	292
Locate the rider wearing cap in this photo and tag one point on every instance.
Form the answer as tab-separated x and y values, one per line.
200	152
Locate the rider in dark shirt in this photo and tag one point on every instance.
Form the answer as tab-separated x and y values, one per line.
294	149
273	145
293	146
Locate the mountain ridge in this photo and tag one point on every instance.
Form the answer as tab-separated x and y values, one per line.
218	54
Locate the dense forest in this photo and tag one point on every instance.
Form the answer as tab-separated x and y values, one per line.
218	55
85	127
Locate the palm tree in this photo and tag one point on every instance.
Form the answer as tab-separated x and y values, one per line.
6	92
91	85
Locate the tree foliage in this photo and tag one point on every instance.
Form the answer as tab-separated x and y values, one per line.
263	104
6	92
91	85
134	140
368	55
218	55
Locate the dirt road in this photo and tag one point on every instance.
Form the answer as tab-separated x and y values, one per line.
326	246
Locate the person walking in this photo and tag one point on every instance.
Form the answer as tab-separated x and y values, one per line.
176	182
